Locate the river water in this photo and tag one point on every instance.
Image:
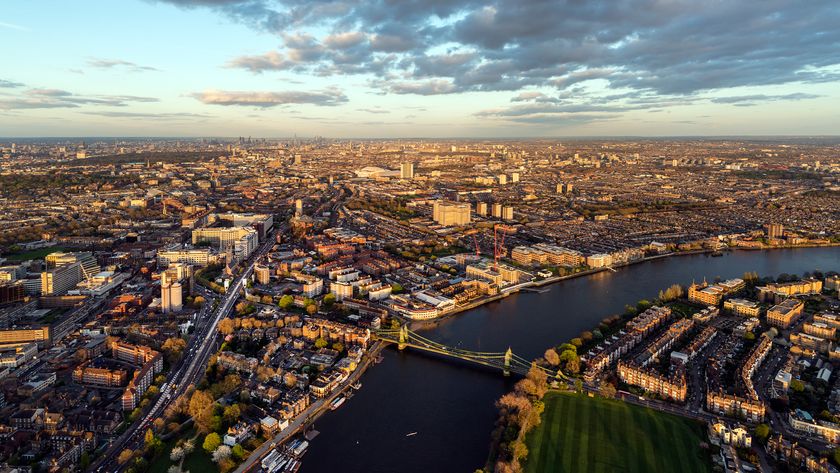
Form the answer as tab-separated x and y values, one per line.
449	403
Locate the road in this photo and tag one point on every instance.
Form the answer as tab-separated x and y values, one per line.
190	368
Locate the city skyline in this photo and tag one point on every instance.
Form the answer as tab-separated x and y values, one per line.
415	69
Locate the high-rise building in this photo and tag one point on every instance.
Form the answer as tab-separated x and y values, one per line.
507	212
242	240
514	177
60	279
298	207
89	266
775	230
262	273
171	297
451	213
502	179
407	170
497	210
481	208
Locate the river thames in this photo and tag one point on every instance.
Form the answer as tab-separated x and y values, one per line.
449	403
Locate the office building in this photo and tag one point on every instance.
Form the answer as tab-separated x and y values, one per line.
451	213
60	279
407	170
241	241
782	315
194	256
87	262
743	307
262	273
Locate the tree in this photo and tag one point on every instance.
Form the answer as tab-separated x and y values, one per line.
149	437
188	447
320	343
232	413
226	326
520	451
552	357
573	366
125	456
762	432
266	299
221	453
835	455
211	442
797	385
238	452
338	346
311	309
198	301
177	454
749	336
607	390
578	386
201	410
173	347
396	288
329	300
286	302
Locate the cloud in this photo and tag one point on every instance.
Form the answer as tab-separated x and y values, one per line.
58	98
6	84
429	87
678	47
749	100
13	26
373	110
327	97
158	116
119	64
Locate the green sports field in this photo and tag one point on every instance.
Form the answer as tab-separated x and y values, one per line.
583	434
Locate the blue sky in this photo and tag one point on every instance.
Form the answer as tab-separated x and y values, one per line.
412	68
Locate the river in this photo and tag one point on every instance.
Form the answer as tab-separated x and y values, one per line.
450	403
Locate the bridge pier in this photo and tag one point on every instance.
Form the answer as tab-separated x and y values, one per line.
508	356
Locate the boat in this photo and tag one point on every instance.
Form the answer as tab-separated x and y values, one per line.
411	434
717	253
357	385
337	402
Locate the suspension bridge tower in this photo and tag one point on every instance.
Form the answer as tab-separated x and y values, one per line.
403	337
508	356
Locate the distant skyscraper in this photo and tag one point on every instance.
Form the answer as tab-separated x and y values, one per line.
502	179
298	208
407	170
514	177
507	212
481	208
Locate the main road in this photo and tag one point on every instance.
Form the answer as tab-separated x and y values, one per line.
190	368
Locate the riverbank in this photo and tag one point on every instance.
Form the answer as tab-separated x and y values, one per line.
311	413
556	279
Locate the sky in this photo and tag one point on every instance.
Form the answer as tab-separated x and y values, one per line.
419	68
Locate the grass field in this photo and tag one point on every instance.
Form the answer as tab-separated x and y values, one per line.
579	433
34	254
